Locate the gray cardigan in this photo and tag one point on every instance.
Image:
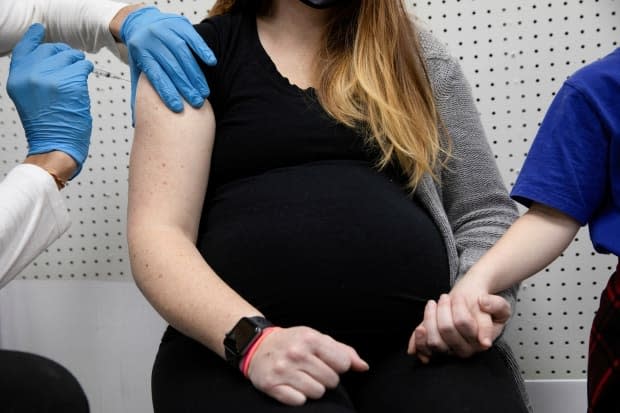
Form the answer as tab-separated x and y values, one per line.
469	202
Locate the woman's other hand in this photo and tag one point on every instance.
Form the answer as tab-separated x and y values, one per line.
299	363
462	323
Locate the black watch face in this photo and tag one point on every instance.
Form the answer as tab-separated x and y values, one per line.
245	332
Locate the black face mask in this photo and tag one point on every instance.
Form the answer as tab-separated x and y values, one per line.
320	4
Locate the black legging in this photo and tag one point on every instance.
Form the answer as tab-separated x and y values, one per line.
187	377
33	384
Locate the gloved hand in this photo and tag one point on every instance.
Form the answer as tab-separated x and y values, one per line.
159	45
48	84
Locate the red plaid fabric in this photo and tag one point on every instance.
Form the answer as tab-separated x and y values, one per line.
604	357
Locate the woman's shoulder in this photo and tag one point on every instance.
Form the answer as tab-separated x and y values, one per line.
442	68
432	48
221	20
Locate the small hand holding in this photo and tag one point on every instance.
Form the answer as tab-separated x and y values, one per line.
464	322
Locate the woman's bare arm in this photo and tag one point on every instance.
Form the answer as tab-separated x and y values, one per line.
169	169
167	182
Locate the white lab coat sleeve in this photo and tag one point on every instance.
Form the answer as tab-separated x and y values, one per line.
83	24
32	216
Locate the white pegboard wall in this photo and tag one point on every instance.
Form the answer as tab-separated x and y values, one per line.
516	54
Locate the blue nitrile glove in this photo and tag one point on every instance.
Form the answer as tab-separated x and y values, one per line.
48	84
159	45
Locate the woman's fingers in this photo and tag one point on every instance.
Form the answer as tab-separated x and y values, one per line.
357	363
462	323
464	317
451	330
339	356
435	342
307	385
321	372
423	352
411	346
294	364
287	395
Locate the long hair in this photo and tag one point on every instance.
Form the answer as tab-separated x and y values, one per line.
371	76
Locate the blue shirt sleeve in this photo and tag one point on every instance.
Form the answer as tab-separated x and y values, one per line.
567	165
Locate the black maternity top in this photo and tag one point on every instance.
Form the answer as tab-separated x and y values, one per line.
296	218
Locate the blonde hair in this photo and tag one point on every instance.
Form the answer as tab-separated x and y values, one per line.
372	77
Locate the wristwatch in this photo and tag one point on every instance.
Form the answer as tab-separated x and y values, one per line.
245	333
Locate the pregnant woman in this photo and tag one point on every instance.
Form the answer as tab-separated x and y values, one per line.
292	230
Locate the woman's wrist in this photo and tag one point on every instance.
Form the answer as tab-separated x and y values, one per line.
244	365
58	164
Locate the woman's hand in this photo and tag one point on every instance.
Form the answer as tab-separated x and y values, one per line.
299	363
463	323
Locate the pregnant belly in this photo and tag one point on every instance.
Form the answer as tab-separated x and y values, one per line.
325	243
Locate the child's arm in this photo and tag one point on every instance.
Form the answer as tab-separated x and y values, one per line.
534	241
459	322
